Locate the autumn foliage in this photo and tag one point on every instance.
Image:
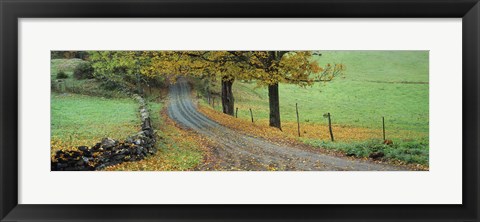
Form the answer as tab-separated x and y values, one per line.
267	68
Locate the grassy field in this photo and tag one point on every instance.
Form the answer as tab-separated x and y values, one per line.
375	84
84	120
66	65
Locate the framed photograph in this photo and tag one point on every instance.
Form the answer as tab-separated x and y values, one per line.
224	110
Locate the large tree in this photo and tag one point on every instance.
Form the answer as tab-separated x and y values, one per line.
294	67
228	70
220	65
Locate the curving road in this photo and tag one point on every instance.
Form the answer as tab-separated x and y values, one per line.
237	151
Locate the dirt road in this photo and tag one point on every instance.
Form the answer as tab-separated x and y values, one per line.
237	151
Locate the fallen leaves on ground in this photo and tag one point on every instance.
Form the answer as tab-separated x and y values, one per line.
178	150
289	133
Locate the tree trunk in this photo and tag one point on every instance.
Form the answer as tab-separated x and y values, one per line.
228	101
274	106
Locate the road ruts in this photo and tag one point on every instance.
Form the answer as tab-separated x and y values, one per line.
234	150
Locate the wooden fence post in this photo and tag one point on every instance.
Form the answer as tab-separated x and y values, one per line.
330	127
236	112
383	125
251	114
298	120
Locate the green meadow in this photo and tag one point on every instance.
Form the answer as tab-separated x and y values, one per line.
376	84
84	120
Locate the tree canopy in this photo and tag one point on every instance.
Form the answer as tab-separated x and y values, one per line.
266	68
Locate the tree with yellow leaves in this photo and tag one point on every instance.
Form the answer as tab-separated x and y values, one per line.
294	67
211	65
268	68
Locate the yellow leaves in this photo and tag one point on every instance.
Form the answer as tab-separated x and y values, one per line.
178	150
255	129
289	134
340	67
315	67
266	67
68	144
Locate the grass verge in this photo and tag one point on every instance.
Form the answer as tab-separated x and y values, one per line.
178	150
410	152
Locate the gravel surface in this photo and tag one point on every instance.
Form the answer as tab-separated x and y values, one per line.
234	150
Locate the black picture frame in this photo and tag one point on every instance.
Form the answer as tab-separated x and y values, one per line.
11	11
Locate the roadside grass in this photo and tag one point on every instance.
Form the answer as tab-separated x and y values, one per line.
178	150
84	120
413	152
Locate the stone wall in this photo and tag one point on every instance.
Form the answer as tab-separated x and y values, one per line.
110	152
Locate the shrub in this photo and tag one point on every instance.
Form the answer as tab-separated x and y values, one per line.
84	70
61	75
